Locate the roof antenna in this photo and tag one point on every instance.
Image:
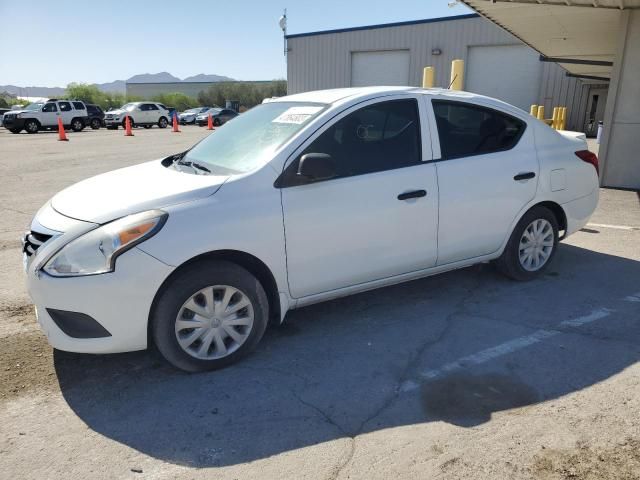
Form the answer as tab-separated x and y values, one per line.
452	80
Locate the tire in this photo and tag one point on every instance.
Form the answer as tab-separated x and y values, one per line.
77	125
216	122
31	126
95	124
518	262
147	126
163	122
15	130
124	123
188	286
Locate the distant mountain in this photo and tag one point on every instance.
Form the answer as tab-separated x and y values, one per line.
32	91
204	77
162	77
117	86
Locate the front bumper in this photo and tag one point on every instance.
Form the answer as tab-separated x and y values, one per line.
112	121
119	301
12	122
186	120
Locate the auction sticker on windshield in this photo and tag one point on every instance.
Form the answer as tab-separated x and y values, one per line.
296	115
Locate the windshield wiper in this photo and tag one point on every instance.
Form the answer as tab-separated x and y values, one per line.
194	165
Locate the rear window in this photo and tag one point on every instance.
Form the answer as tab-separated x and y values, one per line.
465	129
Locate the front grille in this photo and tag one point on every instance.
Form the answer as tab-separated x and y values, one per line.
33	241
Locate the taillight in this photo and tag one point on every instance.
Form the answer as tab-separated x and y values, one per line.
589	157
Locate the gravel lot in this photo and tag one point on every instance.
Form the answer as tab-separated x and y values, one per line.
463	375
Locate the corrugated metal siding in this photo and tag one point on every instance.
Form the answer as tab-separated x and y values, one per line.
557	89
324	61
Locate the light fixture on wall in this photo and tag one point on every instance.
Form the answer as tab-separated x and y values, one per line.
283	26
436	51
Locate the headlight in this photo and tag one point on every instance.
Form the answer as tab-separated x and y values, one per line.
96	251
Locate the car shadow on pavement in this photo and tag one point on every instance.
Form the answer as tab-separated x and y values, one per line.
339	369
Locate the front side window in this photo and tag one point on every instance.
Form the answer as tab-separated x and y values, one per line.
252	138
50	107
379	137
65	106
465	129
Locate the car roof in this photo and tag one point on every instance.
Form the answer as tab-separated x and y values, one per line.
340	94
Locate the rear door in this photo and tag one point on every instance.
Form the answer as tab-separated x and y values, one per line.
153	113
377	217
66	112
487	173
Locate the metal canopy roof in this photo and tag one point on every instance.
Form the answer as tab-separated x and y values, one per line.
582	32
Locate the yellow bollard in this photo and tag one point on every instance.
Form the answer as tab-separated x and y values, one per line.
427	77
555	118
563	118
457	75
540	112
533	111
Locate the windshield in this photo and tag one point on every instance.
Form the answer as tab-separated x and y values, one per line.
249	140
192	110
128	107
33	106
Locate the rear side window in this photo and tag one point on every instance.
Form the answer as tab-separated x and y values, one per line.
65	106
78	105
148	107
465	129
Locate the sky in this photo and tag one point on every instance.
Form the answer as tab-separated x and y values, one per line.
52	43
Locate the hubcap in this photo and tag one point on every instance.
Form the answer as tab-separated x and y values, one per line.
536	245
214	322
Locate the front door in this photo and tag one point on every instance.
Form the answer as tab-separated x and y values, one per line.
378	216
49	115
488	172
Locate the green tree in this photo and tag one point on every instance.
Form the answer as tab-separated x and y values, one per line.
177	100
248	94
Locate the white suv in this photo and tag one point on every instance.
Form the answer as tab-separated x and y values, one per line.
44	115
144	114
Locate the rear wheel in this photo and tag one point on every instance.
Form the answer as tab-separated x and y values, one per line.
216	122
209	316
31	126
15	130
77	125
163	122
531	246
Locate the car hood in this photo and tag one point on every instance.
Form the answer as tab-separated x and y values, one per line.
119	111
134	189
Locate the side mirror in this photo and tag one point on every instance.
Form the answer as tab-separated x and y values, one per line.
317	166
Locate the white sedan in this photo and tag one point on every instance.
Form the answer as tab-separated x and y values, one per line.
303	199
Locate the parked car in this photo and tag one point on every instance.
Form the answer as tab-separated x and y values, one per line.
2	112
188	117
96	116
171	112
44	115
143	114
303	199
203	117
223	116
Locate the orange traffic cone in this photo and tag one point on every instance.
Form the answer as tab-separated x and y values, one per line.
62	137
209	123
127	127
175	123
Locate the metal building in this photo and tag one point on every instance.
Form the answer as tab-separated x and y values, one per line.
496	64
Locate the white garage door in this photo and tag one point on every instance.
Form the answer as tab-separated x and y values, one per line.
511	73
389	67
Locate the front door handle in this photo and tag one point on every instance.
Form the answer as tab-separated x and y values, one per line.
414	194
524	176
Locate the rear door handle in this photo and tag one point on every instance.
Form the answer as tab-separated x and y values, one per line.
414	194
524	176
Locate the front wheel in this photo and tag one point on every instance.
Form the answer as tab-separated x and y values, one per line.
531	246
95	124
15	130
162	123
209	316
31	126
